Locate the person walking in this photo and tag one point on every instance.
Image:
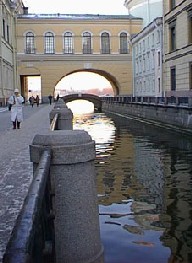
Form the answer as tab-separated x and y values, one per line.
50	99
32	101
37	100
16	101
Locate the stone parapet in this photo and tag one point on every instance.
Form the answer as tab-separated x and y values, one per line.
77	232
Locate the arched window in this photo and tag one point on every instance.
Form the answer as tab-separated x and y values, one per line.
105	43
49	43
68	43
123	43
30	43
87	43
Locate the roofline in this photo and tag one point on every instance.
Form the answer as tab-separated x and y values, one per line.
76	16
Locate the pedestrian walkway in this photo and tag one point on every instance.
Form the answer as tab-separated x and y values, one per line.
16	169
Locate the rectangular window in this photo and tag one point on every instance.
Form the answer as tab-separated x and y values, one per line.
172	4
173	78
190	76
4	29
172	30
159	58
190	26
153	39
7	33
159	84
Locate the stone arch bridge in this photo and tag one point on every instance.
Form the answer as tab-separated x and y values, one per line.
96	100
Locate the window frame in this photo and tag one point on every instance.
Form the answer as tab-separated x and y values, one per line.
190	76
172	4
172	35
123	43
105	43
87	42
173	83
68	42
190	26
49	43
29	46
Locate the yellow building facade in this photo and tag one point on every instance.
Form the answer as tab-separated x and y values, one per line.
8	74
55	46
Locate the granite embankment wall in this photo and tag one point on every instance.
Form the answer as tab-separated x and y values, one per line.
171	115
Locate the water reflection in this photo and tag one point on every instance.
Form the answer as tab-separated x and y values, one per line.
144	179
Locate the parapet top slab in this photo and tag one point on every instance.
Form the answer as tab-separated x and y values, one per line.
62	137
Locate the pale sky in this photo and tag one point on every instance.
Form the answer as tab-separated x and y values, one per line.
105	7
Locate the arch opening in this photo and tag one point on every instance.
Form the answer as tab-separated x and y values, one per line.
86	81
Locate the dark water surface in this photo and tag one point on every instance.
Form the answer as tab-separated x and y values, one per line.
144	184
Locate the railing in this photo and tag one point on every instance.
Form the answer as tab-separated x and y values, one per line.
33	236
54	122
51	217
161	101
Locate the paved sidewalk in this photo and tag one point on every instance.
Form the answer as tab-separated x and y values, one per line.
16	169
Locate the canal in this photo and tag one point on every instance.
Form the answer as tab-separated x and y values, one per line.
144	185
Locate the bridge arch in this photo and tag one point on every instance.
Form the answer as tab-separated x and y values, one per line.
112	79
96	100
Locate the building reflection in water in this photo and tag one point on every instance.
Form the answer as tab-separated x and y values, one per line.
144	179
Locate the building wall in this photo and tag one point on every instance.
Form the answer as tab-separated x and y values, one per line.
116	67
179	58
147	60
8	81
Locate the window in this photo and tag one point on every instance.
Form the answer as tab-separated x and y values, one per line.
158	36
153	39
172	4
105	43
173	78
190	76
190	26
49	43
159	85
30	47
143	44
68	43
87	43
159	58
148	61
7	33
144	63
123	43
4	28
153	60
172	29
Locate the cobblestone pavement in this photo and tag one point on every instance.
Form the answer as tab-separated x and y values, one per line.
15	165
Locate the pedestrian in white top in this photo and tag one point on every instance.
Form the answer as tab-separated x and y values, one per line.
16	101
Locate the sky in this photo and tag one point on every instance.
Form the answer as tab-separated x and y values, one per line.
103	7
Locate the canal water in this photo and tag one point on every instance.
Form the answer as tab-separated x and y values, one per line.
144	185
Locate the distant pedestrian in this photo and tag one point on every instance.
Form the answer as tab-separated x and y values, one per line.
50	99
16	100
32	100
37	100
57	98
